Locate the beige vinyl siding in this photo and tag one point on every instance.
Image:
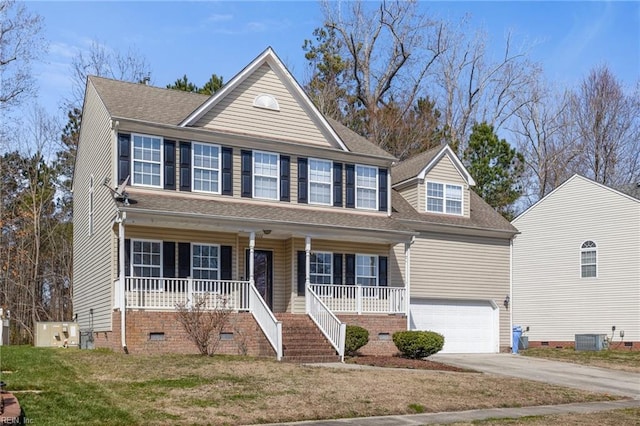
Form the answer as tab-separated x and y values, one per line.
447	266
410	194
236	112
549	295
93	278
445	172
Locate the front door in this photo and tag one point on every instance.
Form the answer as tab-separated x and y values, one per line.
262	274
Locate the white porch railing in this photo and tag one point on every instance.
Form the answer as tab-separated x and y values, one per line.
271	327
166	293
362	299
333	329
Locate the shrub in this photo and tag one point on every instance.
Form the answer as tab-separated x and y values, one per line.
356	338
418	344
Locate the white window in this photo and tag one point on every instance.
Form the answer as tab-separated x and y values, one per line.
147	160
588	260
205	265
444	198
366	269
366	187
146	258
206	168
91	205
265	175
321	268
320	181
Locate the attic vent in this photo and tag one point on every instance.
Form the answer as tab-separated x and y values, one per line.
267	102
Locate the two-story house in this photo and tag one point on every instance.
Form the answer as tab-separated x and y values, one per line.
254	199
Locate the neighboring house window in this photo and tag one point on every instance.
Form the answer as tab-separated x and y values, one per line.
147	160
91	205
265	175
366	269
589	260
366	187
206	168
146	258
444	198
320	177
321	268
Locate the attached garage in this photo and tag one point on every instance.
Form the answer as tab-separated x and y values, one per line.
468	326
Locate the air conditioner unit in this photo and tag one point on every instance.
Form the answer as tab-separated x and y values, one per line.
590	342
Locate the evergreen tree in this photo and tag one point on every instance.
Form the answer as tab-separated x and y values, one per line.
496	168
214	84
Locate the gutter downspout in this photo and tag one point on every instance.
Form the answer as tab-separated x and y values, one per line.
123	316
510	293
407	277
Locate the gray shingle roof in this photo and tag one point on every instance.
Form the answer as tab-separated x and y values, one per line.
482	216
357	143
411	167
177	203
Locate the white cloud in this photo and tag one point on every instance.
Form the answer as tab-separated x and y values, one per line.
219	18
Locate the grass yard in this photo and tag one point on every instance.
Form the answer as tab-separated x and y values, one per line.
610	418
624	360
69	386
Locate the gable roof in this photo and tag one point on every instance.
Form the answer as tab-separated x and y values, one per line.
482	216
268	57
419	165
576	176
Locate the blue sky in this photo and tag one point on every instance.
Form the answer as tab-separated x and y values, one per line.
201	38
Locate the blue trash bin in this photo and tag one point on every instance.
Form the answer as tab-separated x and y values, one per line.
517	332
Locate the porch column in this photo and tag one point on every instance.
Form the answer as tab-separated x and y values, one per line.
252	246
122	284
307	273
407	278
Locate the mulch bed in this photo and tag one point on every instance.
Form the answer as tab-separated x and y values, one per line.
399	362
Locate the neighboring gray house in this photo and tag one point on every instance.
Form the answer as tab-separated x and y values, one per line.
252	198
576	266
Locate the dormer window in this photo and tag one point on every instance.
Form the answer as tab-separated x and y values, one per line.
444	198
266	101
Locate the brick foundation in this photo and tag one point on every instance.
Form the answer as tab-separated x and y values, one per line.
160	332
381	329
552	344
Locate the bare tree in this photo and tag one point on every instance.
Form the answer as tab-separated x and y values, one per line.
472	87
202	324
607	128
20	44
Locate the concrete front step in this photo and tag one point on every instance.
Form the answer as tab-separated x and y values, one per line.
310	359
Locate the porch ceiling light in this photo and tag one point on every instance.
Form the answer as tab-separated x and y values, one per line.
266	231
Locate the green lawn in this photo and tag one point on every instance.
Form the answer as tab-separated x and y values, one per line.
616	359
74	387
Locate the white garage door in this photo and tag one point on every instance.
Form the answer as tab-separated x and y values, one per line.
468	326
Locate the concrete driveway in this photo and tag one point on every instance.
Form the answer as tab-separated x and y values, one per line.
560	373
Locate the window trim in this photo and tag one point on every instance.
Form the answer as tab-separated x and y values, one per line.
444	197
254	175
133	160
193	167
377	269
356	187
132	264
593	249
310	181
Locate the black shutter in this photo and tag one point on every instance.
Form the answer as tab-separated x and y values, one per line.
225	262
337	268
350	269
350	185
302	272
337	184
382	190
285	181
127	258
124	157
382	271
227	171
184	260
168	259
169	164
303	177
247	164
185	166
